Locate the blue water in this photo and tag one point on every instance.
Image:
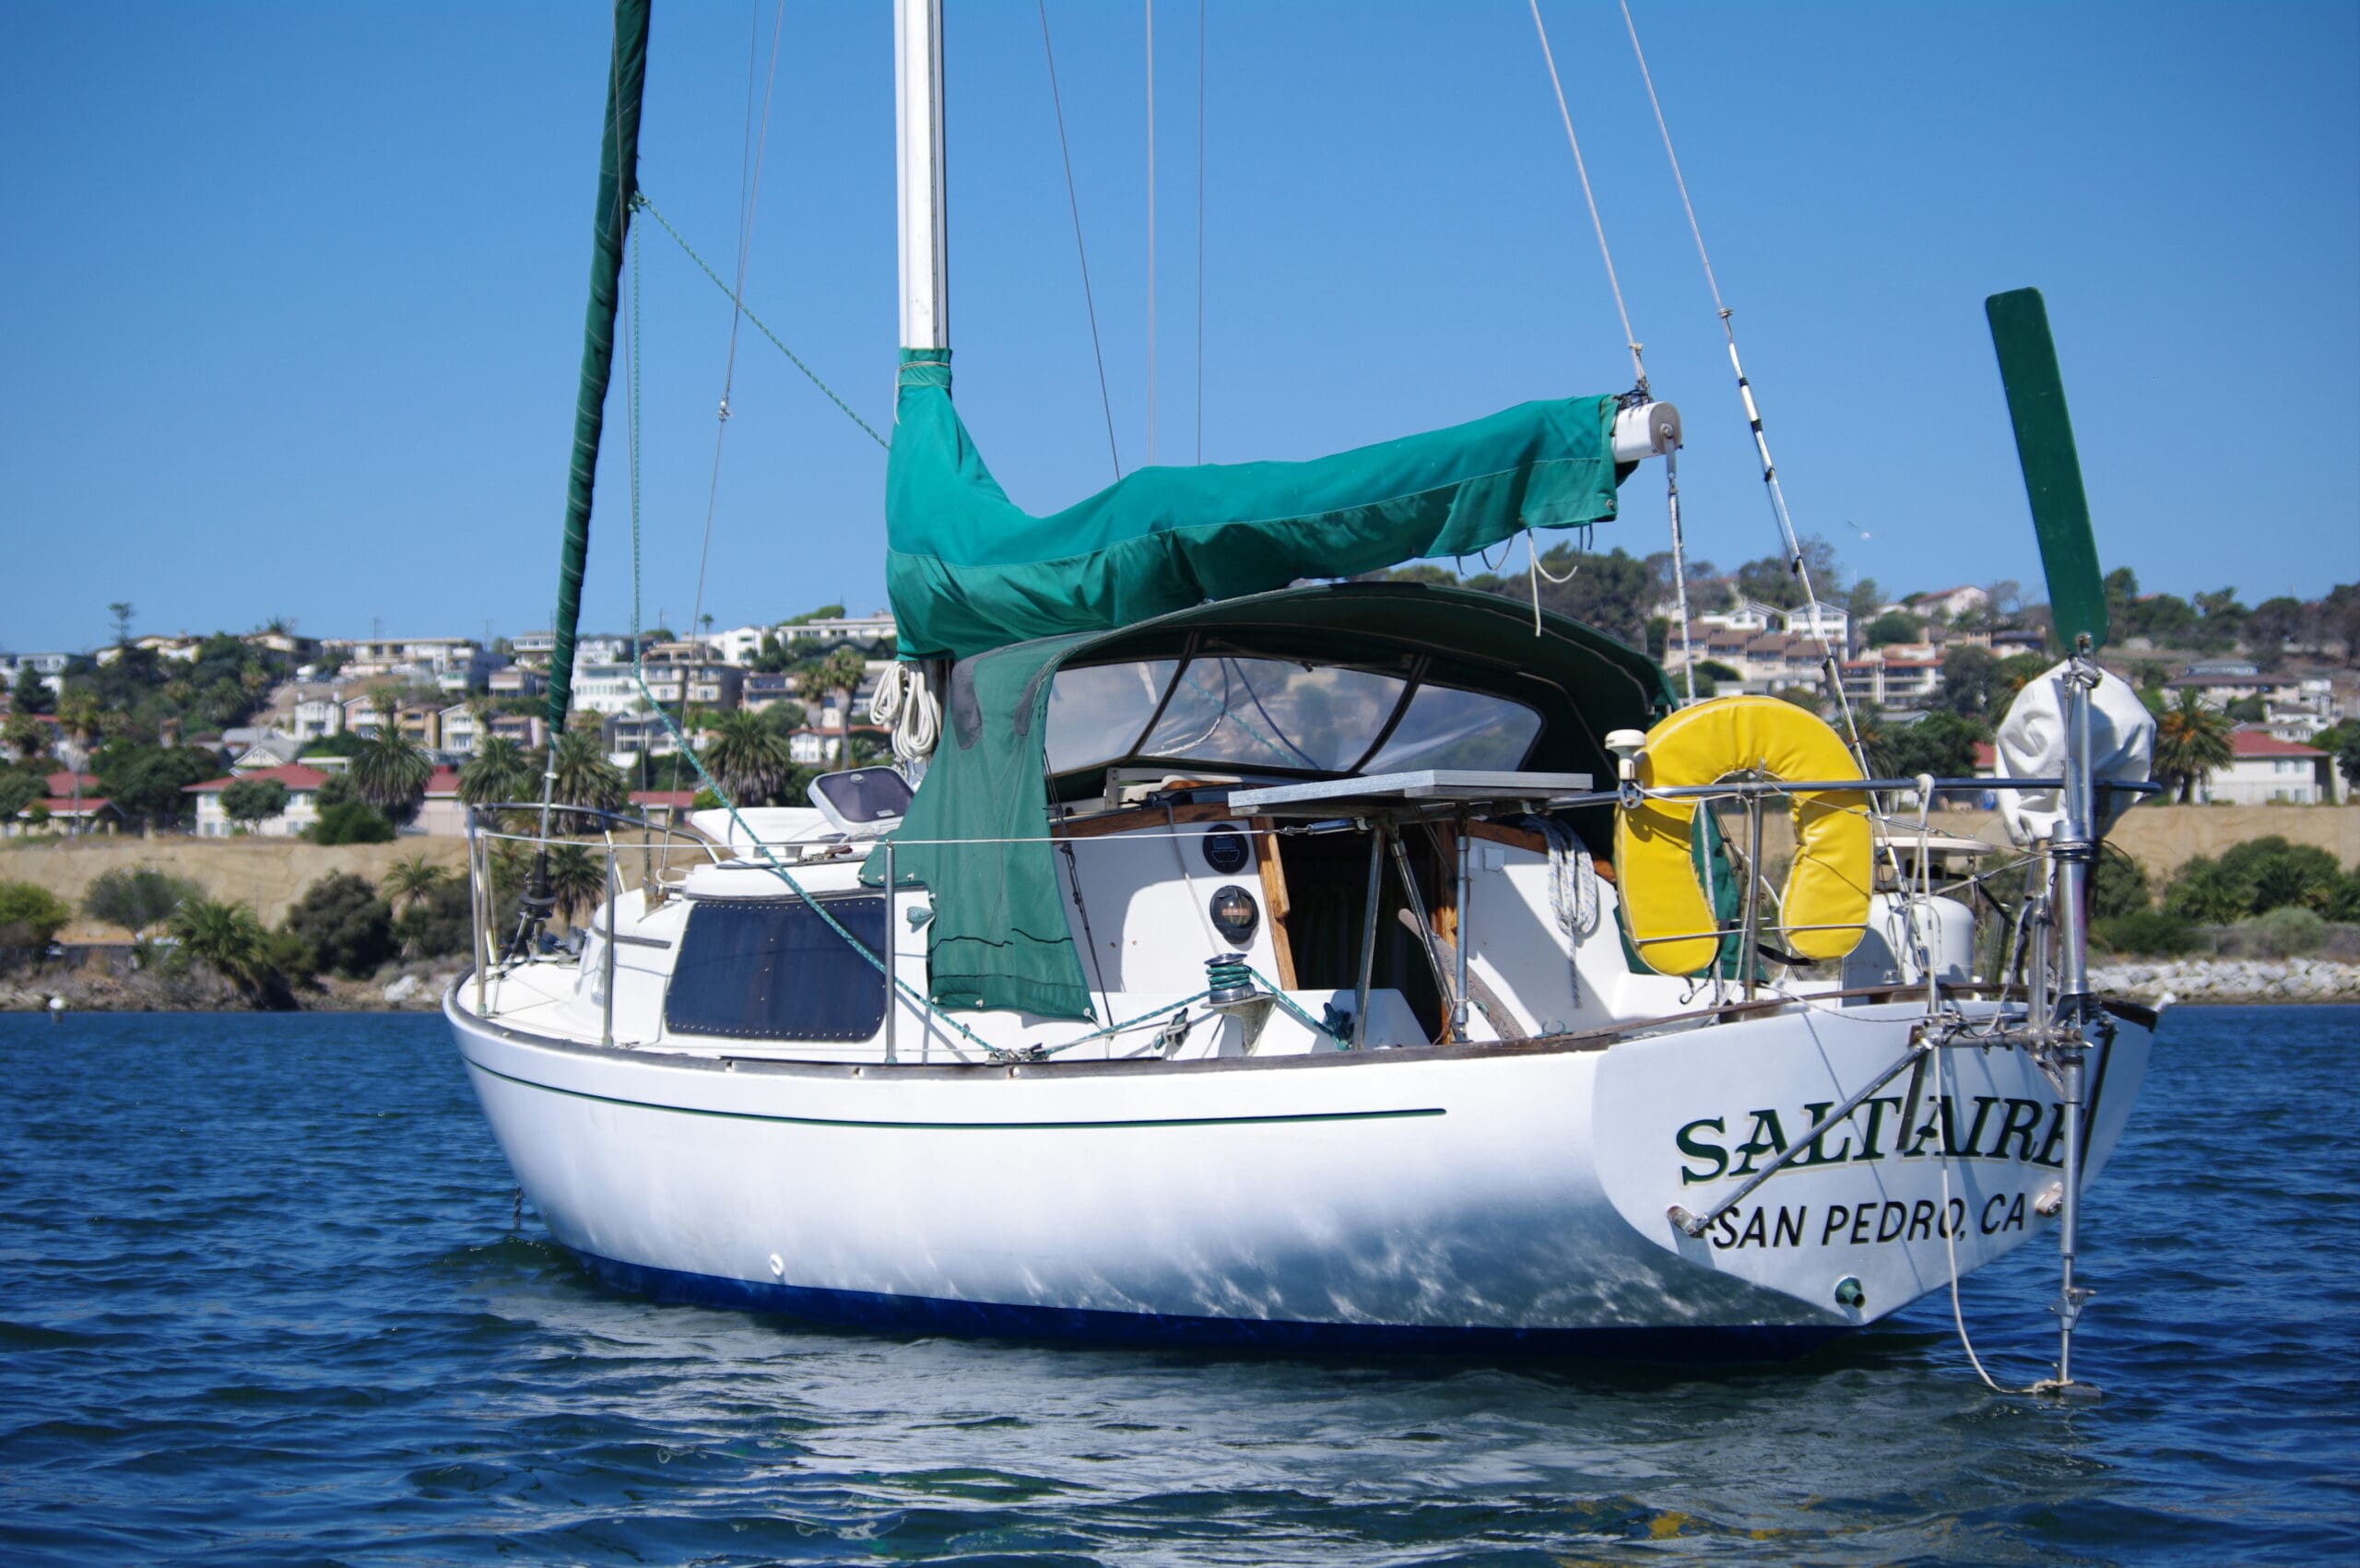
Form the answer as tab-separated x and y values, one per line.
261	1303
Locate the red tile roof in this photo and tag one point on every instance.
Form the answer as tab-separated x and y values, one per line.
63	783
678	799
2261	743
443	784
1985	754
88	807
294	775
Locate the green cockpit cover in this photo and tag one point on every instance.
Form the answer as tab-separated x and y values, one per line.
968	570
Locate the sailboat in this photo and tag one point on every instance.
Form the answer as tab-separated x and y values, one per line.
1263	959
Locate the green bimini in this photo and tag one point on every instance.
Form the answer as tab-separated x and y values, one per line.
977	834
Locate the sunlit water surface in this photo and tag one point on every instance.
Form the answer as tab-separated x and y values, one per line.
261	1301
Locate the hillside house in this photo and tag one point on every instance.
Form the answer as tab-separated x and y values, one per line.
2266	770
302	784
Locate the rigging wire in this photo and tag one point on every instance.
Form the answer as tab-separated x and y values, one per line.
1073	205
1830	669
1200	230
750	190
1150	231
1679	570
1638	370
640	201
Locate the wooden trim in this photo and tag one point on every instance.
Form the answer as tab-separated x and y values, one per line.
1518	838
1137	816
1276	905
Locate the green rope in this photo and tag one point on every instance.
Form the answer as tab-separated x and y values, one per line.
641	201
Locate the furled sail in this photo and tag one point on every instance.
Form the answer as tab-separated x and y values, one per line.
618	186
969	570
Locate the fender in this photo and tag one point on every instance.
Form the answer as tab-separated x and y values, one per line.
1824	903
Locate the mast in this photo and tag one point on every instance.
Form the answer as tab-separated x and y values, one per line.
917	99
618	188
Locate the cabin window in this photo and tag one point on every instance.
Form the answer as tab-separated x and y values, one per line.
1269	714
1097	711
1279	715
774	970
1448	728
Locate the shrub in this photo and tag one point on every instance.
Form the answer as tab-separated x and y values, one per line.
2286	931
2150	933
2258	876
2119	886
438	923
18	789
350	822
30	914
344	923
138	897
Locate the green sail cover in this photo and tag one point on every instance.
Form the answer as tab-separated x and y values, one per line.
968	570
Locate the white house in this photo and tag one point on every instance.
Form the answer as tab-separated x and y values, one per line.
438	660
440	814
1892	677
1818	619
2266	770
457	727
606	687
1949	603
838	628
1745	615
302	784
315	712
738	644
50	667
536	648
516	680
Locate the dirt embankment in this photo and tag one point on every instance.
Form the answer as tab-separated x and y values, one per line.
2161	838
269	874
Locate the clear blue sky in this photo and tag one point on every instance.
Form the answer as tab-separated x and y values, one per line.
291	299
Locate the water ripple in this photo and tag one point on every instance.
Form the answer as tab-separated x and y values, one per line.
261	1303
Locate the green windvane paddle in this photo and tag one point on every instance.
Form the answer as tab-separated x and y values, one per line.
2060	512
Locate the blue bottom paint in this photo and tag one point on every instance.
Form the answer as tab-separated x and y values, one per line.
934	1315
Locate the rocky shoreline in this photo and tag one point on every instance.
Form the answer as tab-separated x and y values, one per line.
418	988
2230	980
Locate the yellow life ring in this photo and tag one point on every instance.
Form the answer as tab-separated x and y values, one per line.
1826	901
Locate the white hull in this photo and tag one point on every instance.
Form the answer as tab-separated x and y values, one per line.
1470	1195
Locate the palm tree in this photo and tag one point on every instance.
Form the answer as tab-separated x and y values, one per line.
748	759
584	777
501	770
2192	740
81	719
229	939
409	879
390	770
576	881
843	670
